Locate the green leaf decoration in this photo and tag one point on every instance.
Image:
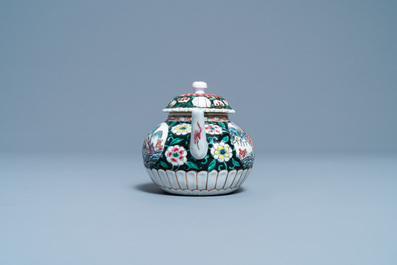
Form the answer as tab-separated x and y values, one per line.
163	164
173	123
235	163
211	139
211	166
225	139
176	140
222	125
192	165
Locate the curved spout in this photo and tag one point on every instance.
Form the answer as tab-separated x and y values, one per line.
198	137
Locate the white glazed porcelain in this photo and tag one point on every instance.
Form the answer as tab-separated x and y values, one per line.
198	150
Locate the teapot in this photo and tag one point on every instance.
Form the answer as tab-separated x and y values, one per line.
198	150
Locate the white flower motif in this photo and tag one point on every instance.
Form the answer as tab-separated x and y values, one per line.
181	129
213	129
218	103
176	155
172	103
221	152
202	102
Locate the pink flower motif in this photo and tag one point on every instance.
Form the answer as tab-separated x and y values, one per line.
176	155
213	129
218	103
242	153
183	100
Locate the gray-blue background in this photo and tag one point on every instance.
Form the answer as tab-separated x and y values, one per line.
93	76
313	82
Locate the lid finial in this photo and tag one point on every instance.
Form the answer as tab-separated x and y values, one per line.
200	86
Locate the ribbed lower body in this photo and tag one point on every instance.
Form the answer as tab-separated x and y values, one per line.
198	183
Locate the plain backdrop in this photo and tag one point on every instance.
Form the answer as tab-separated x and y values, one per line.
93	76
313	82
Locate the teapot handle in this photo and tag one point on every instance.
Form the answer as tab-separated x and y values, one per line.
198	137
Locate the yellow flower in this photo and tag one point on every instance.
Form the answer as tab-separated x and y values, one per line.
181	129
221	152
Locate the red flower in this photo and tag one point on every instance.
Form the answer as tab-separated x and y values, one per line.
176	155
183	100
159	146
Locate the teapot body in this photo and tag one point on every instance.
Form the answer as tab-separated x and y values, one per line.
171	166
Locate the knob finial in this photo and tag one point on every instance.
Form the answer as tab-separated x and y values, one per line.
200	86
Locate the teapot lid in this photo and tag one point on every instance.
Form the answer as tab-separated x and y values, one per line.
198	100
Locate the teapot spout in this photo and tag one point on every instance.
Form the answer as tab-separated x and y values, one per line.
198	137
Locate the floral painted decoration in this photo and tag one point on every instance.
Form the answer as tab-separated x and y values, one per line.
188	102
184	99
221	151
229	148
181	129
213	129
242	153
176	155
219	103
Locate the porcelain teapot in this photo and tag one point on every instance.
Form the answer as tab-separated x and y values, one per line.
198	150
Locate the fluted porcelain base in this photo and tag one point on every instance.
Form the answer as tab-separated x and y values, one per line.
198	183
